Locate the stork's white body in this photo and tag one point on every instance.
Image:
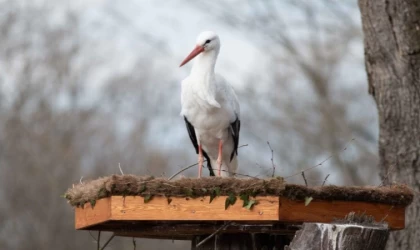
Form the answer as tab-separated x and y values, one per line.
211	106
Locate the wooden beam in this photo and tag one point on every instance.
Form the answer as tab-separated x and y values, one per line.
327	211
317	236
199	209
269	210
134	208
89	216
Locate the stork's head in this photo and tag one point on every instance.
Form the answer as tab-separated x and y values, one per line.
206	41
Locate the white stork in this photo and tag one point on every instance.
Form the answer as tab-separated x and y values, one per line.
210	109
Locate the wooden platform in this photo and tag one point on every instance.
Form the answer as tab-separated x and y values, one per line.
186	217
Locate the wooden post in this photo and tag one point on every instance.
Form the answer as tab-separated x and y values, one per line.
317	236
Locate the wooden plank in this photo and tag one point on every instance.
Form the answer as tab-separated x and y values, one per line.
269	210
199	209
89	216
327	211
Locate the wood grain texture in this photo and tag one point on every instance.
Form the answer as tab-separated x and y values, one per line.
89	216
327	211
134	208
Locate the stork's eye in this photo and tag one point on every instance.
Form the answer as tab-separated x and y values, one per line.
207	41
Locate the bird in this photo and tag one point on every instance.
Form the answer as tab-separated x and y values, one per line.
210	108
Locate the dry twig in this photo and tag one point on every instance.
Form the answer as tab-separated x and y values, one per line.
322	162
119	166
386	216
386	177
272	159
244	175
182	170
92	236
326	177
98	242
107	242
195	164
304	178
213	234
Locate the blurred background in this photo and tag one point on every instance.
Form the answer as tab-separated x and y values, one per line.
86	86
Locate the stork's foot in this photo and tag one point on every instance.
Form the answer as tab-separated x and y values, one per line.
219	167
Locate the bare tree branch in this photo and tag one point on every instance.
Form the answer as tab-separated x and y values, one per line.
98	242
322	162
108	241
272	159
213	234
304	178
326	177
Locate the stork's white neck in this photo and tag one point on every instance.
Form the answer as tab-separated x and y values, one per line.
203	72
204	64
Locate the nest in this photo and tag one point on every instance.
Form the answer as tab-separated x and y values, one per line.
131	185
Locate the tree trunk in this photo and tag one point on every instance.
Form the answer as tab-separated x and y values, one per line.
318	236
392	58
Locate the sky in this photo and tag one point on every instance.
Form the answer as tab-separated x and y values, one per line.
118	24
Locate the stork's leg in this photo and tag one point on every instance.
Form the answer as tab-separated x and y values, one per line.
219	157
200	160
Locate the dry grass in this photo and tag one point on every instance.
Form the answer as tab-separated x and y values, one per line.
127	185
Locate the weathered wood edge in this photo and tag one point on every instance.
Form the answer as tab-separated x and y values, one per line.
89	216
323	211
178	209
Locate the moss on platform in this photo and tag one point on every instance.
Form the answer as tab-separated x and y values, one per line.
131	185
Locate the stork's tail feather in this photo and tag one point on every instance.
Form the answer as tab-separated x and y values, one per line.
209	164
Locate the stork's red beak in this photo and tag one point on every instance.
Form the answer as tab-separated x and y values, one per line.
198	49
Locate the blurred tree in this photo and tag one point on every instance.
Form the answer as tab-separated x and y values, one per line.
392	56
54	129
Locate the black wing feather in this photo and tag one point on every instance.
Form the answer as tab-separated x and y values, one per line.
193	137
234	129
